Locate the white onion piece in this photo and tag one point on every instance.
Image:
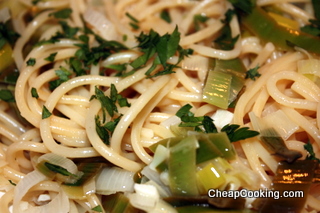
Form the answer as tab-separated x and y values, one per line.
146	197
30	180
100	23
113	179
59	203
196	63
282	123
63	162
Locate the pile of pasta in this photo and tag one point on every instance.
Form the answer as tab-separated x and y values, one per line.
279	94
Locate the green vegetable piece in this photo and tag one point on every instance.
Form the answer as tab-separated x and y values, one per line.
311	155
118	203
45	113
89	169
268	30
34	93
292	177
97	209
217	88
62	14
7	95
6	59
31	62
182	167
58	169
237	133
222	142
224	82
275	144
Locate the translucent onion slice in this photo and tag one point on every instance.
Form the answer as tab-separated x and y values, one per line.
60	203
101	23
63	162
21	189
113	179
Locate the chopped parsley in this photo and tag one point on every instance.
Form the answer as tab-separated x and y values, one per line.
225	41
31	62
311	155
97	209
189	120
134	22
7	35
59	169
63	76
62	14
34	93
205	124
109	104
236	133
51	57
12	183
7	95
164	15
253	73
314	27
161	48
243	5
198	19
45	113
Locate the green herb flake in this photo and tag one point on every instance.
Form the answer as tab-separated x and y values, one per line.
7	95
45	113
236	133
34	93
225	41
198	19
161	48
311	155
31	62
51	57
62	14
7	35
63	76
245	6
189	120
12	183
253	73
164	15
97	209
58	169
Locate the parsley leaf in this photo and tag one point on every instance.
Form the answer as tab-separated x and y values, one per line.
311	155
225	41
243	5
45	113
161	48
34	93
31	62
51	57
236	133
6	95
253	73
134	22
59	169
7	35
97	209
189	120
63	76
198	19
165	16
62	14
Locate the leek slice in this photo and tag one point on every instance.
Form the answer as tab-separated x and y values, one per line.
6	58
117	203
217	89
211	177
224	82
293	177
182	167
